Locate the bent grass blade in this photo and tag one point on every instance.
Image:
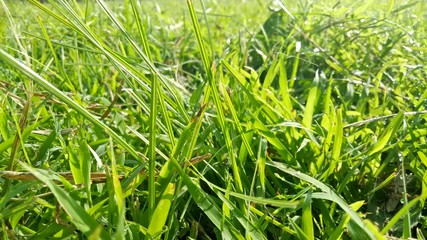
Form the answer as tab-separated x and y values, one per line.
328	194
67	100
79	217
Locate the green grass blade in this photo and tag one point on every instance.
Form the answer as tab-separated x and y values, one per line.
146	47
85	167
271	73
284	88
47	143
154	101
258	200
307	217
72	20
161	213
261	159
328	194
273	221
295	65
337	145
387	133
118	191
7	143
152	151
236	120
341	227
203	200
17	189
75	166
311	102
79	217
401	213
407	216
271	137
374	229
253	231
299	232
384	183
147	59
4	131
67	100
208	65
207	205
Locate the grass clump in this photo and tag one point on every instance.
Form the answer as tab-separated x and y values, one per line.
298	121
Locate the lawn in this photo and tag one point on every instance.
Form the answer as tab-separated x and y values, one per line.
242	119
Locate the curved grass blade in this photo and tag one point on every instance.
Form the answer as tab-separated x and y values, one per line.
161	212
312	100
299	232
387	133
402	212
203	201
67	100
284	88
388	180
253	231
374	229
17	189
208	206
258	200
72	20
149	61
328	194
261	159
307	216
208	65
272	220
338	139
340	229
81	219
7	143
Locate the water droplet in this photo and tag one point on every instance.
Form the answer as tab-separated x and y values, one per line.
400	155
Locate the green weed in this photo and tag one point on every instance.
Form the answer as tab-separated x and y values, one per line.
214	119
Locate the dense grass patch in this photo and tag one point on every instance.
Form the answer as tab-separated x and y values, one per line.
213	120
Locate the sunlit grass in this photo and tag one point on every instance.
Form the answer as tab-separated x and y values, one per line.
213	120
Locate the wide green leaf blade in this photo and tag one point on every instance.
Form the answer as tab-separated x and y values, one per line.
79	217
387	133
161	212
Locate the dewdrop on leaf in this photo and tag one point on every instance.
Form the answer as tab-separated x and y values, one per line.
298	46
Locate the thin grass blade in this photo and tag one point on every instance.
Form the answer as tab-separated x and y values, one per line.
328	194
67	100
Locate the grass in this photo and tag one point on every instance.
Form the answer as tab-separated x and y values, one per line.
213	120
